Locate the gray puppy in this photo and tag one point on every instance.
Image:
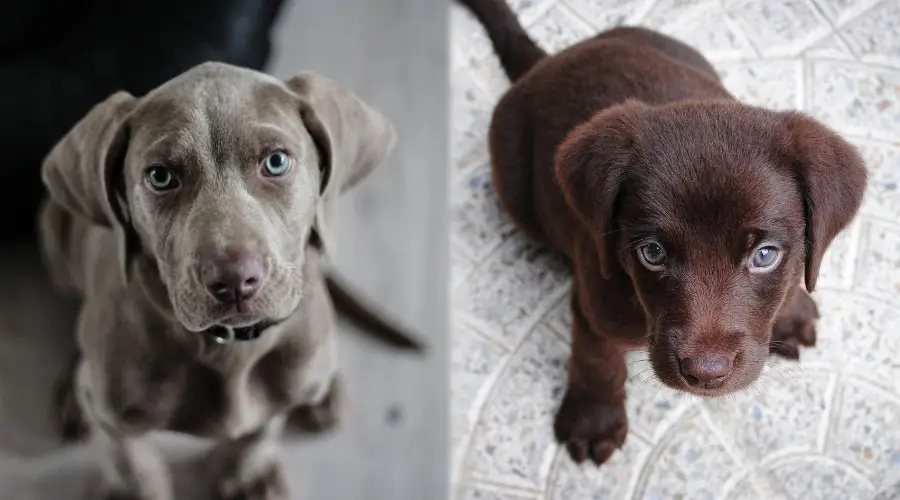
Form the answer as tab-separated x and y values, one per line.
188	220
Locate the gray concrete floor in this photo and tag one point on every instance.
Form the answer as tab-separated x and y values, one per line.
393	446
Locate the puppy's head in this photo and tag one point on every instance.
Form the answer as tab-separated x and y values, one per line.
219	179
713	211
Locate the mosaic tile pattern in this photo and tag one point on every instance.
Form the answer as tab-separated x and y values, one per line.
828	428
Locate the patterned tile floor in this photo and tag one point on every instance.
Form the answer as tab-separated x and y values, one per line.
828	428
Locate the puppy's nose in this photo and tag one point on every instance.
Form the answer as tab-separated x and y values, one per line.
235	278
708	372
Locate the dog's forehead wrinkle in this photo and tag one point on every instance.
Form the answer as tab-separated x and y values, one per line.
720	200
216	100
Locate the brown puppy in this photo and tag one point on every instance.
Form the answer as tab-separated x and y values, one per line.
689	218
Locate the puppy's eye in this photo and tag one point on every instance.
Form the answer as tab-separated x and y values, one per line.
764	258
277	164
653	256
160	178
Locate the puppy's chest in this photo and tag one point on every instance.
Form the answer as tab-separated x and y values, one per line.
220	400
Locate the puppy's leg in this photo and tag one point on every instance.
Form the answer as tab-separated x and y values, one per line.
795	325
132	468
249	467
320	396
67	414
592	422
512	172
321	416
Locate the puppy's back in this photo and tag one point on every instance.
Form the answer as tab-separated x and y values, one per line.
564	91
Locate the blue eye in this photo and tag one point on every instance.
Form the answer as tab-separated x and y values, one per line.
160	178
652	255
764	258
277	164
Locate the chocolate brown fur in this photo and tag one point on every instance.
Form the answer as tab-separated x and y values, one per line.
627	140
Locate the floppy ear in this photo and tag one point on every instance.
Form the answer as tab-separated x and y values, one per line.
352	139
832	177
591	167
84	171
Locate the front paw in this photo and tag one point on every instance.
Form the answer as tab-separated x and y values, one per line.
795	327
590	428
267	483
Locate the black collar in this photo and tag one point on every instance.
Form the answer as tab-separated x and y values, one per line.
226	335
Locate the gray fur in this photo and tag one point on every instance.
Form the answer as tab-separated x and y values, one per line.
134	257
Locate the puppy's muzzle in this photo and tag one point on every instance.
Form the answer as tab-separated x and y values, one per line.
234	278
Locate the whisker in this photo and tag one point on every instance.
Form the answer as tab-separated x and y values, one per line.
651	377
658	388
639	374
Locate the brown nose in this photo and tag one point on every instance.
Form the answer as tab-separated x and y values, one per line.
708	372
234	278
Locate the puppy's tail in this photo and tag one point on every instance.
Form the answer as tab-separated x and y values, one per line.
518	53
363	313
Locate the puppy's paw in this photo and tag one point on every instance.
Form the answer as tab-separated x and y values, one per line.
266	484
590	428
323	416
795	327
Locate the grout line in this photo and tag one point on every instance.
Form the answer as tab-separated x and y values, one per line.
567	11
473	415
853	468
656	450
887	68
495	486
851	48
831	395
576	15
468	163
863	378
855	237
643	11
834	412
875	142
536	15
638	472
730	448
489	395
864	228
887	301
554	468
476	326
556	295
817	59
854	16
820	13
728	488
735	27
